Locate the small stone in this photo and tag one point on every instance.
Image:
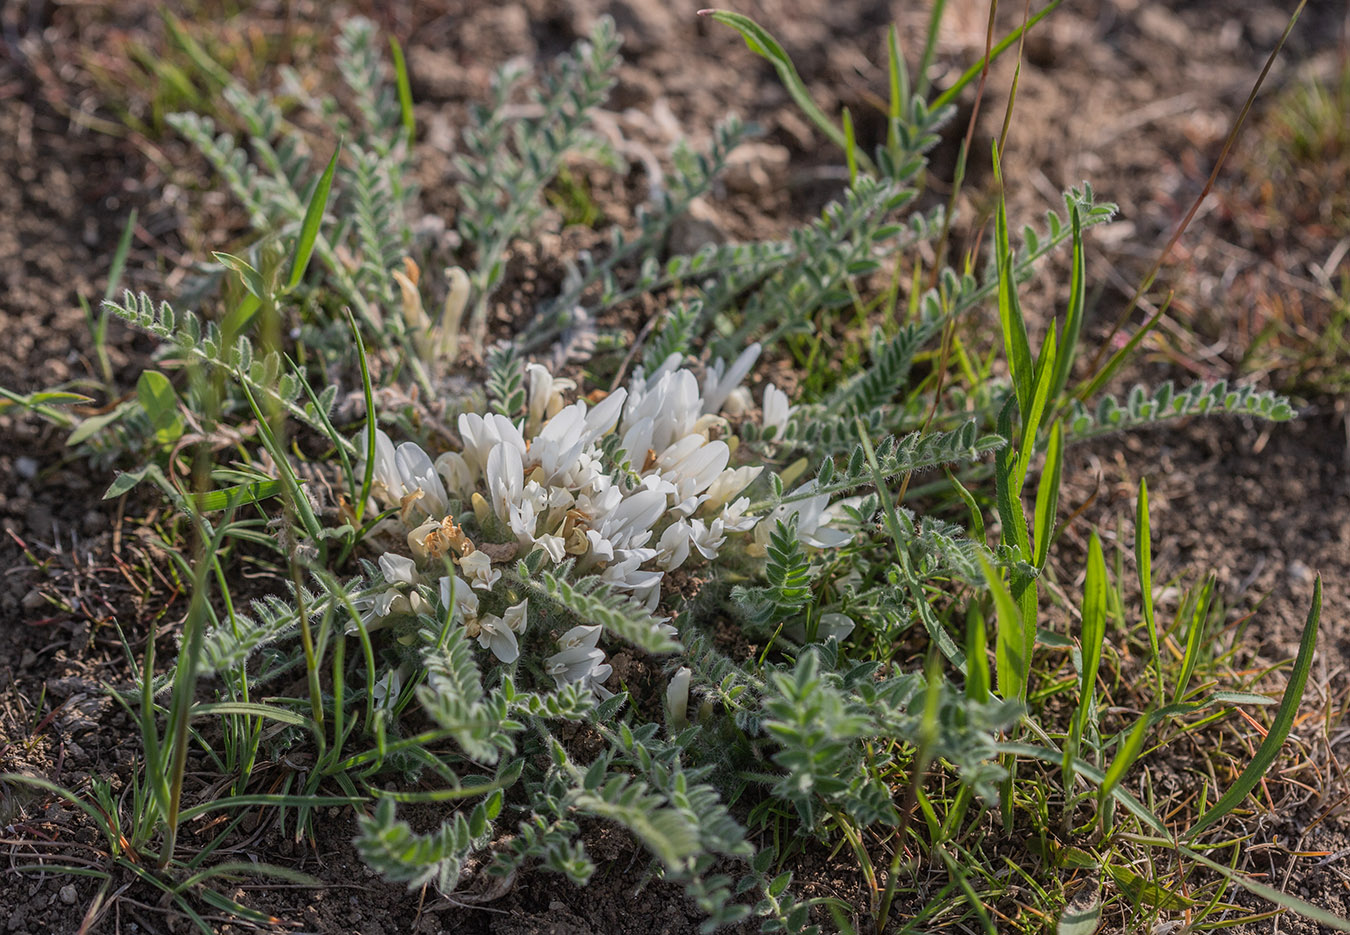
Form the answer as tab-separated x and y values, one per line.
26	467
68	894
694	229
33	600
756	168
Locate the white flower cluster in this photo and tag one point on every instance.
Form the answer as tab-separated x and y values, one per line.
541	484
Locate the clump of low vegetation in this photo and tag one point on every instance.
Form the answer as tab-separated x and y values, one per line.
474	525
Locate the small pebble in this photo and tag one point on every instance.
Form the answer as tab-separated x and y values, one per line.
1300	572
26	467
68	894
33	600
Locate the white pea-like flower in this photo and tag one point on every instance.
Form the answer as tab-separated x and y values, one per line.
814	515
677	698
545	395
477	566
720	379
579	660
405	478
455	474
777	412
729	483
457	589
495	634
515	616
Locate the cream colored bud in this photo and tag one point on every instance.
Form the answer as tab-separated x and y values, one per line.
677	699
481	508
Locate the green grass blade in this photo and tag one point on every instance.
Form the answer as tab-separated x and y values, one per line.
119	260
239	317
899	85
251	709
1011	658
850	147
1031	420
204	62
46	785
977	657
1143	891
292	484
1010	316
973	72
38	402
368	476
1199	614
977	531
1094	775
759	41
930	47
1283	900
1279	728
405	101
61	868
1124	759
1073	317
237	869
1143	560
267	800
309	228
227	498
1008	491
1047	494
1094	629
228	906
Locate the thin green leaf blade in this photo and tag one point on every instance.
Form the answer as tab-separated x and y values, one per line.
1269	750
1284	900
35	401
1143	560
1073	317
226	498
309	228
93	424
1010	316
759	41
405	101
250	277
1012	664
1094	619
251	709
119	260
1199	615
1124	758
1047	493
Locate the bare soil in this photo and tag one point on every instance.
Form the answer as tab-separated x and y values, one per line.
1136	96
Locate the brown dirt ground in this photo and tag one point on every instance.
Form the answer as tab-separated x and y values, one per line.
1134	95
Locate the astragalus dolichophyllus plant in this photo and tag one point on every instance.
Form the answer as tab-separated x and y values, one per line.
559	489
725	621
550	536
